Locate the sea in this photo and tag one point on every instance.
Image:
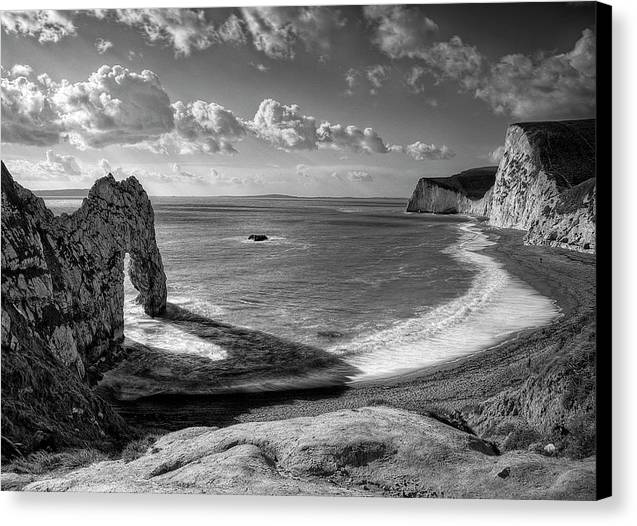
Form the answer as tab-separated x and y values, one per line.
388	291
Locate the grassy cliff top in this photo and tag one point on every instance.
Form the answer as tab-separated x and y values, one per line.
472	183
566	149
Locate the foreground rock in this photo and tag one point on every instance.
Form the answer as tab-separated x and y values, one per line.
545	184
372	451
62	306
468	192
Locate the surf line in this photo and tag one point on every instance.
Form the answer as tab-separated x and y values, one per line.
496	306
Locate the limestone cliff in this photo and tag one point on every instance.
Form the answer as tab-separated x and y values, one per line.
545	183
468	192
62	305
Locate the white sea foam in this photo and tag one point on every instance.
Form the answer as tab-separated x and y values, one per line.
155	332
496	306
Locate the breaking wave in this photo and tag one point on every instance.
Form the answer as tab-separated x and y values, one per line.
496	306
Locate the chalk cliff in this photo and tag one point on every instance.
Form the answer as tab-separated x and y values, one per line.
468	192
62	305
545	184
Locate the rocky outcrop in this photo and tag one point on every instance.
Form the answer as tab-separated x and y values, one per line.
62	304
545	183
257	237
468	192
372	451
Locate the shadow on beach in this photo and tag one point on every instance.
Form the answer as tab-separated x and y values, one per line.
154	387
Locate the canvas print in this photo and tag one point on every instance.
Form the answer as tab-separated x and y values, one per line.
313	250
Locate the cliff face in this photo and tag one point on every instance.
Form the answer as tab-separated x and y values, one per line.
62	302
545	183
468	192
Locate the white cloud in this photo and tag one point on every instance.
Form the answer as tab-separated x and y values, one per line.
102	45
184	30
200	127
555	86
20	70
400	31
56	167
453	60
45	25
339	137
277	31
373	77
284	126
28	116
421	151
114	106
260	67
66	163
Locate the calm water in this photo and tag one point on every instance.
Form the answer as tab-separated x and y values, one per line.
386	290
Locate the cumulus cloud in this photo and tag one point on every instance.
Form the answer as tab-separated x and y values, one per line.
339	137
118	107
66	163
277	31
28	115
20	70
421	151
555	86
114	106
183	29
400	31
284	126
496	154
200	127
102	45
46	25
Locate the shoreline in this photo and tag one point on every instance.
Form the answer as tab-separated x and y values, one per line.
448	387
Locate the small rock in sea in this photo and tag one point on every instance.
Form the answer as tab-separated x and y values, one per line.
504	473
549	449
258	237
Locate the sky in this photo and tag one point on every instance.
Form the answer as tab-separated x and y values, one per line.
315	101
